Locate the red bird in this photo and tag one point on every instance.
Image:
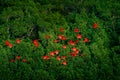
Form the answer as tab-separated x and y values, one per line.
60	36
52	53
56	52
7	43
63	57
64	46
18	41
45	57
76	30
12	60
79	36
10	45
24	60
58	58
71	42
47	37
64	63
73	54
18	57
63	38
61	29
95	25
36	43
56	41
86	40
74	49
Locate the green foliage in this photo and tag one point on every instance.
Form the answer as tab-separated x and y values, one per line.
30	20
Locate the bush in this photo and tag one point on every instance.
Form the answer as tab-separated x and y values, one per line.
68	40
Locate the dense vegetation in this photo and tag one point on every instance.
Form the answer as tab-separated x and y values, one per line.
59	40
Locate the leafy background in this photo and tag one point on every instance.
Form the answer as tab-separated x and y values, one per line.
34	19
